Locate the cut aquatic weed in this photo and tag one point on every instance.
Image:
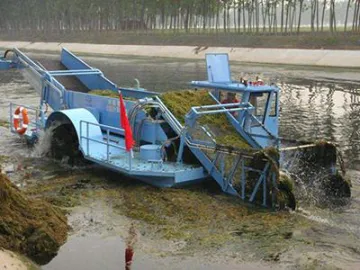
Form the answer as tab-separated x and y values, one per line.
29	226
179	104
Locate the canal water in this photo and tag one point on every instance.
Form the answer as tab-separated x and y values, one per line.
315	103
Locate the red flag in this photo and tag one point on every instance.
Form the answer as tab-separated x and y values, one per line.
129	141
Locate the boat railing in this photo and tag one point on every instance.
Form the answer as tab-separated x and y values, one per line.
172	120
42	81
88	128
239	114
222	108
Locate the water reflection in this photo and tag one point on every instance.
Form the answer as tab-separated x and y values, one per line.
315	110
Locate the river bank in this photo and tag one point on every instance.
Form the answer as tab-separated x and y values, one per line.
301	57
303	40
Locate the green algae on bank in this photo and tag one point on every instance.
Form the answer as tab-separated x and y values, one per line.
29	226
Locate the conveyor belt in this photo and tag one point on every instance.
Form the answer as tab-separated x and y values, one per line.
69	82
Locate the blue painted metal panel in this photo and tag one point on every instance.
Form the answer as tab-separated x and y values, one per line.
263	137
233	86
97	80
213	171
218	68
75	116
190	175
106	111
5	64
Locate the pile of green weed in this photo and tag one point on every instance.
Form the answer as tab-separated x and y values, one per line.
180	103
29	226
108	93
105	93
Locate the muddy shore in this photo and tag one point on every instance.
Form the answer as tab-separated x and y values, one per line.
11	261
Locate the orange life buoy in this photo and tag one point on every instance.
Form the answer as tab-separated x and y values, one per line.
21	114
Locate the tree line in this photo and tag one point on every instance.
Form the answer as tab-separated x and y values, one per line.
249	16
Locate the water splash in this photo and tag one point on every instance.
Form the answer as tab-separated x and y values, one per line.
43	145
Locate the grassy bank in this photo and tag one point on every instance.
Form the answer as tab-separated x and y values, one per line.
305	40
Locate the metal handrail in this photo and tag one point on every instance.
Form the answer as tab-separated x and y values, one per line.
59	73
40	72
181	130
173	119
220	111
221	105
26	60
240	106
103	126
107	142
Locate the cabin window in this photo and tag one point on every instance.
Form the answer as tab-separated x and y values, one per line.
273	111
259	101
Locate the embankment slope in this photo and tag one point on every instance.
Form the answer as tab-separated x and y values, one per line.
304	57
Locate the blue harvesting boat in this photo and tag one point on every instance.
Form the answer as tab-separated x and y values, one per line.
233	141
